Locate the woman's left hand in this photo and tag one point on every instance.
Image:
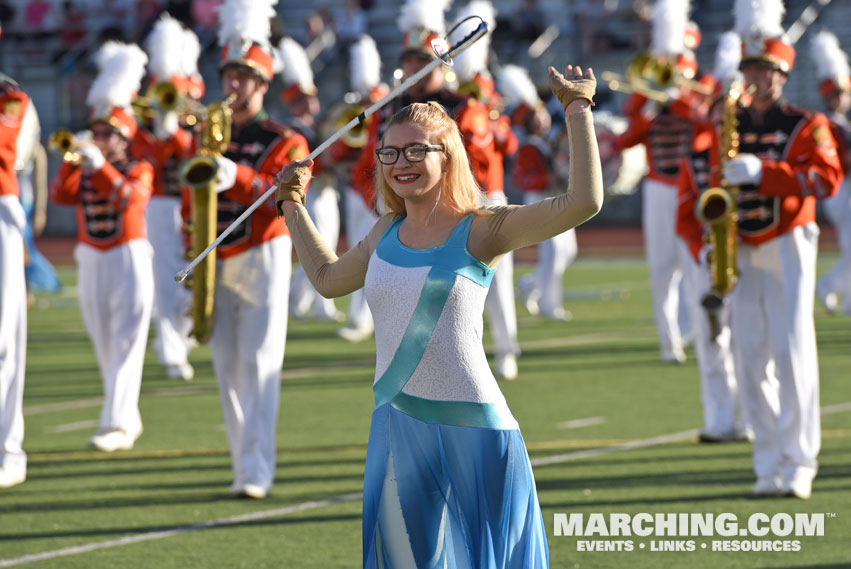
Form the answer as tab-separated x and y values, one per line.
575	89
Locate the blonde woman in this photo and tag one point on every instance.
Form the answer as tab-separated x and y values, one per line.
448	480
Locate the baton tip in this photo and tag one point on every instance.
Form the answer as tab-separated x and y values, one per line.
181	276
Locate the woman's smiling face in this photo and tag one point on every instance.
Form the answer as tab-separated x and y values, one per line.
412	180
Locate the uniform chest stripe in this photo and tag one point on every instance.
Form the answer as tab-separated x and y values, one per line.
435	292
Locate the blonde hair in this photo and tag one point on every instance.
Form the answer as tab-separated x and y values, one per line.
461	190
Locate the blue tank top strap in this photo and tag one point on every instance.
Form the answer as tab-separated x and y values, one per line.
461	233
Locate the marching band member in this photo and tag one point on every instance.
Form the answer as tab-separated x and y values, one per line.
18	131
114	258
532	172
173	51
787	160
667	136
299	94
834	287
359	196
255	261
698	173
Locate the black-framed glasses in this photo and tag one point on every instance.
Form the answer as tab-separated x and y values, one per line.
413	152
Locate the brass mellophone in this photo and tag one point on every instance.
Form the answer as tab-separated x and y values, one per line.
341	114
651	77
164	97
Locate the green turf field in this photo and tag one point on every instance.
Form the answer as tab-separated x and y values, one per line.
609	429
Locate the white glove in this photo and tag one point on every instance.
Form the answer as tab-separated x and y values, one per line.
91	158
226	175
743	169
165	125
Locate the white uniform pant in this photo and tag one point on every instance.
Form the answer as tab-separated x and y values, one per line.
838	279
664	261
248	341
13	334
359	221
172	300
499	303
544	283
116	292
322	206
718	387
775	352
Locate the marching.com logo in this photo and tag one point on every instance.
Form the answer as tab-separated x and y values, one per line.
766	528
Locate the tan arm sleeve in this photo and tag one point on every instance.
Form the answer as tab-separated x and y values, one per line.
501	229
331	275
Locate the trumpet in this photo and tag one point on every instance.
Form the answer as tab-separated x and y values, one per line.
66	144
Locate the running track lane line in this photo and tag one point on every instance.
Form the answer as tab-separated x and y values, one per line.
313	504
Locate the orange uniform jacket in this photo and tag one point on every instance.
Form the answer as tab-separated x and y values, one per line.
261	149
363	174
505	144
110	202
800	164
165	156
532	166
13	106
667	138
476	130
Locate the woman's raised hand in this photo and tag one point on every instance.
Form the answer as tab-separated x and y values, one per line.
575	89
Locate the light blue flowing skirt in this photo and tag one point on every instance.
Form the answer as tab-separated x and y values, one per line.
466	494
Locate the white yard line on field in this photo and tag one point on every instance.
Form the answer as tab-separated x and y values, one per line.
343	498
580	423
131	539
68	427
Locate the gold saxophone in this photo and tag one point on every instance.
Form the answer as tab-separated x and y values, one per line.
716	207
199	174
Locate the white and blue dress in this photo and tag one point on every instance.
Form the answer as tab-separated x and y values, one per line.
448	481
